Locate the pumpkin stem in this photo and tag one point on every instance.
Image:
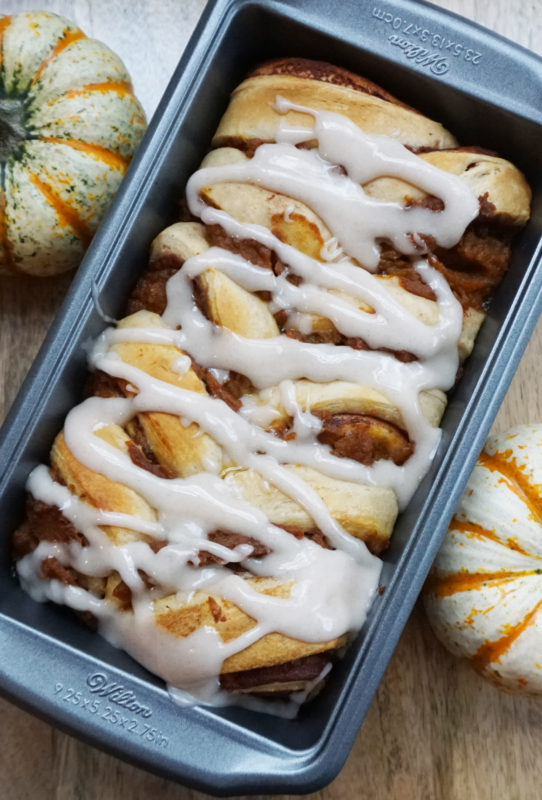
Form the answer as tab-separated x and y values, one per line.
12	129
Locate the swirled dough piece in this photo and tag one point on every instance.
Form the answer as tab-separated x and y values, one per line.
251	114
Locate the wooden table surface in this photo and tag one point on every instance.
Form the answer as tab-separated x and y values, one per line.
435	729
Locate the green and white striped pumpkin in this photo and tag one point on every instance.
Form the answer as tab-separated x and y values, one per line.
484	594
69	124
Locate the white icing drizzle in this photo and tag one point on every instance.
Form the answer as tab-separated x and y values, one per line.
288	212
221	375
357	220
384	328
330	590
305	425
331	250
181	365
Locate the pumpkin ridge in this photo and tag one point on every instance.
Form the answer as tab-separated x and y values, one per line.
465	526
447	585
99	152
492	651
66	214
515	480
69	38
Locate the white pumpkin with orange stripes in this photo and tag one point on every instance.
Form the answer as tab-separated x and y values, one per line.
69	124
484	594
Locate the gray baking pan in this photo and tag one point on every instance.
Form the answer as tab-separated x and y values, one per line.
489	93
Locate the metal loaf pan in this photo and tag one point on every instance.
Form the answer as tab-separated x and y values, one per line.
488	92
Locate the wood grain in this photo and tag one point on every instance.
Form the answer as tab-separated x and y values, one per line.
435	729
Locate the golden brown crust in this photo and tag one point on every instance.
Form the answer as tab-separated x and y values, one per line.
235	309
181	618
183	450
327	73
489	176
251	114
366	512
96	489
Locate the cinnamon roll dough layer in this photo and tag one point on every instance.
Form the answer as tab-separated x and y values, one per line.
367	512
98	491
184	239
177	615
488	176
182	616
327	73
251	115
179	239
498	181
182	449
294	223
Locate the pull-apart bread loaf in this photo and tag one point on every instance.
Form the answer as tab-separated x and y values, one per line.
217	505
